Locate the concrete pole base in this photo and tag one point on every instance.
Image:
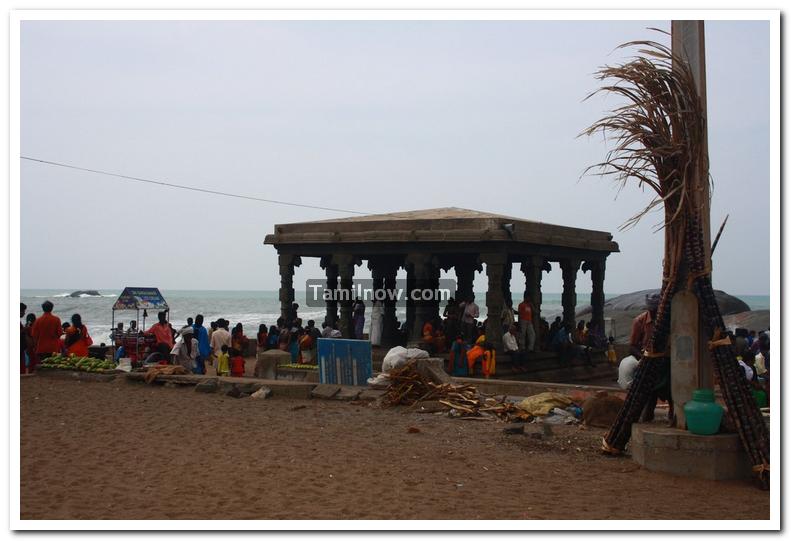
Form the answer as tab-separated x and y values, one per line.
678	452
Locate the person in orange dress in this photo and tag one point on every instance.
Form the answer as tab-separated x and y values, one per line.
489	360
162	331
306	349
485	353
77	338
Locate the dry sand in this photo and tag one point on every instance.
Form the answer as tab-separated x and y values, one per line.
128	451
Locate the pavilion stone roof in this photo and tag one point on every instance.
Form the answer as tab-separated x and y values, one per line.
448	224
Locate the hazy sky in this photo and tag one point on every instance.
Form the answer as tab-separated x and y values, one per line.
367	116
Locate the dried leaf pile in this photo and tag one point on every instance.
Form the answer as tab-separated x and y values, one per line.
408	387
164	370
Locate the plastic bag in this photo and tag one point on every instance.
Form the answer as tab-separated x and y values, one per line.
399	356
380	381
125	364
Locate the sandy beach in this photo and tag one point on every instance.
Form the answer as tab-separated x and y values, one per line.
122	450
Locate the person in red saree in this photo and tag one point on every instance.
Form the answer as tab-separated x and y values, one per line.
46	332
77	338
238	340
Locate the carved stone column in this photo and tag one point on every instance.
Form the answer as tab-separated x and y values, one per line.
533	268
434	285
495	270
410	304
287	263
597	268
422	267
332	284
389	321
465	273
345	264
507	273
569	268
383	273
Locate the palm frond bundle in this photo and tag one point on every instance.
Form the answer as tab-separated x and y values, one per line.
659	137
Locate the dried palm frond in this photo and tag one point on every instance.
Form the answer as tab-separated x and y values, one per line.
658	134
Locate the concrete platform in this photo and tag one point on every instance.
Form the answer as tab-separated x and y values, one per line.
678	452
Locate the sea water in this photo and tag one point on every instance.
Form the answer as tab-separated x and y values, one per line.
250	308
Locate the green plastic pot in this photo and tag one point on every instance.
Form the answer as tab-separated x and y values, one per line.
703	415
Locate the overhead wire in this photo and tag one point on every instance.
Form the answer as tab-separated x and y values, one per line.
185	187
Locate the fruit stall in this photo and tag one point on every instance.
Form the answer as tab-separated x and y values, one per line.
137	299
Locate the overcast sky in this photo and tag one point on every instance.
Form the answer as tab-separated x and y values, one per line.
366	116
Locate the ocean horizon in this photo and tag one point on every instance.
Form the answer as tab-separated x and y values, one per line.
249	307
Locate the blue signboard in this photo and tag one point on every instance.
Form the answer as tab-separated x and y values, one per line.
344	362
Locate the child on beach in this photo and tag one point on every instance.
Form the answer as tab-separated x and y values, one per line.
612	358
222	362
237	363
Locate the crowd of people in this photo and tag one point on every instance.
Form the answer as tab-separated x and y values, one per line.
44	336
751	348
193	346
460	334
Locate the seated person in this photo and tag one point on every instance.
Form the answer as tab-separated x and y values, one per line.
562	344
457	360
626	371
485	353
306	344
511	348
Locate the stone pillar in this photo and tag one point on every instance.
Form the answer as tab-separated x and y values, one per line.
533	268
434	285
389	325
287	263
423	267
332	284
597	267
345	264
465	273
569	267
507	273
495	270
383	274
410	304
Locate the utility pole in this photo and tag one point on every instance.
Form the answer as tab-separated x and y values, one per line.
690	362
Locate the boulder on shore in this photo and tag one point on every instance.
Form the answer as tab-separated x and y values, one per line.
85	293
636	301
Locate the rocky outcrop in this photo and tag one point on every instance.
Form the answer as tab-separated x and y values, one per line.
728	304
86	293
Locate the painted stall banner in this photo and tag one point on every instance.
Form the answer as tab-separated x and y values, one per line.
137	298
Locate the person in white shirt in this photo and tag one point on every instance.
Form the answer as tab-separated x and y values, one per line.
469	319
511	348
221	337
626	371
326	329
